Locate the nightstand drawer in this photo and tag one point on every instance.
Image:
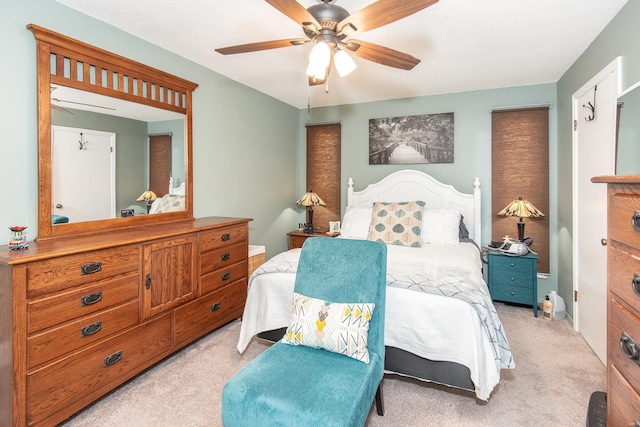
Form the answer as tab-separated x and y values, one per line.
513	294
510	271
514	279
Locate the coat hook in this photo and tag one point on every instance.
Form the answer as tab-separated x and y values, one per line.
82	144
591	106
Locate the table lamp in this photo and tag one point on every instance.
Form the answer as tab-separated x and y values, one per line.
309	200
149	197
523	209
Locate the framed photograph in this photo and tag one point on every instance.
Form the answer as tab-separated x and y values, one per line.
126	212
334	226
411	139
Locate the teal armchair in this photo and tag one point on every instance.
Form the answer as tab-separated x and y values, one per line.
299	385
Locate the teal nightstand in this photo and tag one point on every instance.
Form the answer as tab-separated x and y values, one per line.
514	279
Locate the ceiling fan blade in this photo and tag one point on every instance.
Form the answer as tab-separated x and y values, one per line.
382	55
61	109
253	47
82	103
297	12
381	13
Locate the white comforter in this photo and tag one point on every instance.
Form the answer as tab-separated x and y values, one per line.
438	307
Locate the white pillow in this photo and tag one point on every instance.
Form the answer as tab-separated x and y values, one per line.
440	226
341	328
355	224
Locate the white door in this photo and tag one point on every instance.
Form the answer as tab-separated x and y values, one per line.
593	155
83	173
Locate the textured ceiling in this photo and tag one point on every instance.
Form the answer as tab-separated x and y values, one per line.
463	44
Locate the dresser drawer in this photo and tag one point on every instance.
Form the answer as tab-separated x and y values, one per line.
624	276
53	310
60	273
222	237
621	216
624	327
623	403
219	278
222	257
76	381
209	312
74	335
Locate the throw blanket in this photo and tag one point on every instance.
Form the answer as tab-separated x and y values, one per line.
440	276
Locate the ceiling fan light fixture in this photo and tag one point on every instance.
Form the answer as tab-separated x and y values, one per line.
317	71
320	54
344	62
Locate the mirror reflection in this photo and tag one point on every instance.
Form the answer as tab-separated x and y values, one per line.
113	158
628	133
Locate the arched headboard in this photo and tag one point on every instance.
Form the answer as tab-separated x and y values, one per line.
409	185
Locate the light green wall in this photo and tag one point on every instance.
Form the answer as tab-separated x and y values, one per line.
249	150
472	145
244	142
619	38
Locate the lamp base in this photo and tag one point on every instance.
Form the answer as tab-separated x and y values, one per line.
308	227
521	230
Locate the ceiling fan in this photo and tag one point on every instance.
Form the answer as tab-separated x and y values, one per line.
329	26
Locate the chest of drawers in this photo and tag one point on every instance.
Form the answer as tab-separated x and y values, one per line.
514	279
80	317
623	299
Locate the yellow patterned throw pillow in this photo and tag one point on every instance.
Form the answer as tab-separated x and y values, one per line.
396	223
342	328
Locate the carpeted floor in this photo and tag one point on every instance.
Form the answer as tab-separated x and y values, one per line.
555	374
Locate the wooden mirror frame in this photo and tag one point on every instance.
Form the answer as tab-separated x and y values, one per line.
58	60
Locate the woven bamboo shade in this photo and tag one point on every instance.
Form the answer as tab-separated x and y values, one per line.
323	171
159	163
520	168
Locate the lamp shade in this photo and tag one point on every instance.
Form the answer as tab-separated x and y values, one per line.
147	196
344	62
310	199
521	208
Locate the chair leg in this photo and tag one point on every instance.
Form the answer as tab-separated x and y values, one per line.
379	400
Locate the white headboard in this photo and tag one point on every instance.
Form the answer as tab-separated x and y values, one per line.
409	185
179	190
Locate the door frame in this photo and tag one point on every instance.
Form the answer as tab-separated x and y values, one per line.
613	67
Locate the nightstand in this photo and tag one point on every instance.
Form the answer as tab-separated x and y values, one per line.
514	279
297	238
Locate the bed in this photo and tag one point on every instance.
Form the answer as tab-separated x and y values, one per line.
441	325
172	201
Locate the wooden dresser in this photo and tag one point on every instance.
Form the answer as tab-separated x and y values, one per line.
80	316
623	306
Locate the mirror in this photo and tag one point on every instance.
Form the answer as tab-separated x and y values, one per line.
75	117
82	87
628	132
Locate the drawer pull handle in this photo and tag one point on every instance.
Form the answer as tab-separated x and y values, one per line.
113	359
216	306
512	265
225	237
635	221
512	293
91	299
226	276
94	267
147	282
512	279
635	284
91	329
225	256
629	347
